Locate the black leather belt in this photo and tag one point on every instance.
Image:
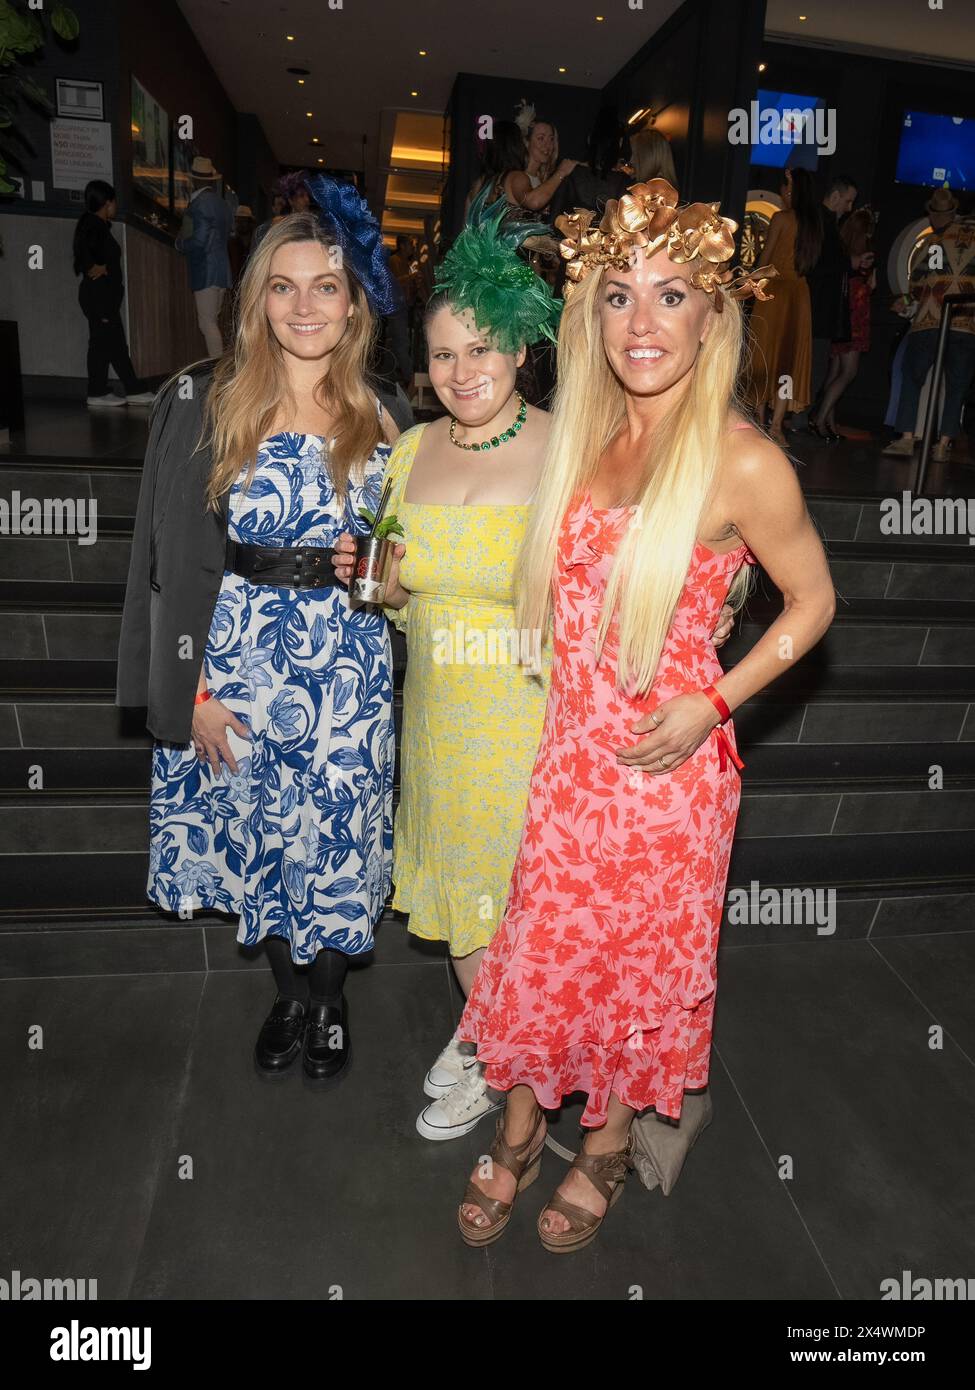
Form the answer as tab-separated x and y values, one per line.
286	567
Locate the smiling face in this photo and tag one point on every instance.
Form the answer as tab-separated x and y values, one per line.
472	379
308	300
541	143
653	322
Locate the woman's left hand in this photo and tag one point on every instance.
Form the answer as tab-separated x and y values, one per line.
676	729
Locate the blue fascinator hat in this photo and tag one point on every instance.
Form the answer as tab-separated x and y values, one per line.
358	233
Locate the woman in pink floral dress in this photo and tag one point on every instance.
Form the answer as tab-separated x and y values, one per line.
601	977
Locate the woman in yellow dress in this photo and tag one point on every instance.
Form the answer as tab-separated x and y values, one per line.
472	712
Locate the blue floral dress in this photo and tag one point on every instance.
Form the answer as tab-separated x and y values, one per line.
299	841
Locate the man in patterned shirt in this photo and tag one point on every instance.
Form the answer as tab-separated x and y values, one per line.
945	264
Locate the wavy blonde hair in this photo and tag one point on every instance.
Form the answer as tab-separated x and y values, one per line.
651	564
250	381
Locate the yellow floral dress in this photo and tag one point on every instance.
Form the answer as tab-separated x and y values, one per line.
472	716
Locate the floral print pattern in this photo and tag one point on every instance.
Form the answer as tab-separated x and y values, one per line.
602	977
470	726
299	840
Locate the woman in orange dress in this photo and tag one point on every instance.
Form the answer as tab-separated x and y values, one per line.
781	327
654	496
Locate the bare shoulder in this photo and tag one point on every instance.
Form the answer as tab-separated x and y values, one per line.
391	431
749	457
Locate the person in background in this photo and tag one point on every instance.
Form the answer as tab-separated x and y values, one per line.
856	234
239	245
205	248
781	340
650	157
402	264
591	185
98	260
290	195
504	168
946	265
543	152
830	309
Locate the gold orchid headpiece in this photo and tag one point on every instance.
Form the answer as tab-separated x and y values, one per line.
647	216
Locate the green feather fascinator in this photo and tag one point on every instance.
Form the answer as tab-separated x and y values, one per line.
483	273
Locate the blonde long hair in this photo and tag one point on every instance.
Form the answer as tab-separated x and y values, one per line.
250	382
651	564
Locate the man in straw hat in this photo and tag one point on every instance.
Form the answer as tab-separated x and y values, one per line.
205	249
945	264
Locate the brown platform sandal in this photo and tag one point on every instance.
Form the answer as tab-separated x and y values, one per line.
606	1172
521	1163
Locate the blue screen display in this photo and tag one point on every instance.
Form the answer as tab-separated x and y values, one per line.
936	150
783	140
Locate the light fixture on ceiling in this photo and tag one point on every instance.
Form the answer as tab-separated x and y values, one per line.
314	140
414	94
290	38
802	19
761	67
599	18
308	113
423	53
562	69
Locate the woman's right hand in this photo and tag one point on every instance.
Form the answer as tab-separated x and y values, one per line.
343	558
565	167
211	720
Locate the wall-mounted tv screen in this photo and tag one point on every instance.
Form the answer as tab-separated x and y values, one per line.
786	131
935	150
150	146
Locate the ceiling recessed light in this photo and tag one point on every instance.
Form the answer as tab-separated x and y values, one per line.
414	94
599	19
314	140
301	81
802	18
423	53
561	69
308	113
290	38
761	67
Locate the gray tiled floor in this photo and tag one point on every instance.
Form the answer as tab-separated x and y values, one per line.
821	1057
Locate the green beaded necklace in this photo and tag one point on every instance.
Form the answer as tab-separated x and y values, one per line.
496	439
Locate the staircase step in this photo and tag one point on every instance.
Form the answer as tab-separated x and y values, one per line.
860	519
866	644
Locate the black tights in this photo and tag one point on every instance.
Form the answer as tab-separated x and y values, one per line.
323	980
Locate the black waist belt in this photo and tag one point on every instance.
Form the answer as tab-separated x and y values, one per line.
286	567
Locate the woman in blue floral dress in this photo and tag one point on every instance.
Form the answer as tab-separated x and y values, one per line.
279	806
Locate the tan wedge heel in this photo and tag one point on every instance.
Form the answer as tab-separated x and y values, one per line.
523	1164
607	1173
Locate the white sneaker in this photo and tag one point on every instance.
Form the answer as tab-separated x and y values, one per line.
108	400
450	1067
141	398
456	1113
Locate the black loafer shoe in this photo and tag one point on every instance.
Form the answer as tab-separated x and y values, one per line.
328	1046
280	1038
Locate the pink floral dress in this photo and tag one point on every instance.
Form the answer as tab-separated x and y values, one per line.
601	976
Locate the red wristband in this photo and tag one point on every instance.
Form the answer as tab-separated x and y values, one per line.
203	695
719	702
